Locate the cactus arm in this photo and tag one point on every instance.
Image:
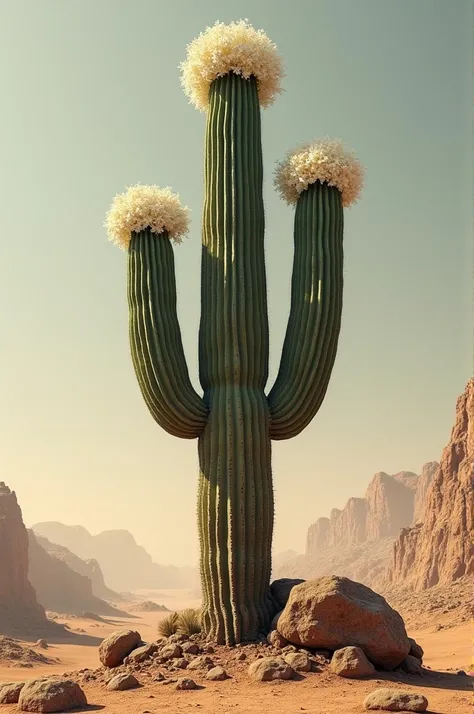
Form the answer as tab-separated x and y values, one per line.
155	337
310	344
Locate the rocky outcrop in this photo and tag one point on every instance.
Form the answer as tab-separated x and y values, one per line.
61	589
427	474
390	504
332	613
387	507
441	549
134	569
19	607
88	568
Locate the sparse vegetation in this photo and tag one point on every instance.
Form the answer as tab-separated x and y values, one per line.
168	625
189	622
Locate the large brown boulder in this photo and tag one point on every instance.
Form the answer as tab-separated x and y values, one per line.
333	612
51	695
117	646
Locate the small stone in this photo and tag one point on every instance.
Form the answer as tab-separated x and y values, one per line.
352	663
142	653
171	651
209	649
270	668
42	644
276	640
217	674
394	700
10	692
416	650
186	683
159	677
121	682
299	661
190	648
241	657
201	662
180	663
411	665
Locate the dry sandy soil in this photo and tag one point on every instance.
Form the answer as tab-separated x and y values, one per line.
323	693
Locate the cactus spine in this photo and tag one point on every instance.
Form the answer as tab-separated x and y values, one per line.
235	421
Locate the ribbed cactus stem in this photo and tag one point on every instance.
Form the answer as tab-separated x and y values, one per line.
310	345
155	337
235	492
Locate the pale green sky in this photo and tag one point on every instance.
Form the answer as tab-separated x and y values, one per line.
91	103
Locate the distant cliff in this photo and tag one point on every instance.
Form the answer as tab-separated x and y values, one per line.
89	568
20	612
59	588
125	565
357	541
440	549
390	504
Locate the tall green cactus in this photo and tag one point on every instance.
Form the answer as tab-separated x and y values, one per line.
234	420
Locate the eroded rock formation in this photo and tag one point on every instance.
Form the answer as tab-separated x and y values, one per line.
441	549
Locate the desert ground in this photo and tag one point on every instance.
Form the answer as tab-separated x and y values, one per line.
447	650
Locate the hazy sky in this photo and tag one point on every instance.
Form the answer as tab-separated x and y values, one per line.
91	103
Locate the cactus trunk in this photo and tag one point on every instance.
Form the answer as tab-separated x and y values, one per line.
235	492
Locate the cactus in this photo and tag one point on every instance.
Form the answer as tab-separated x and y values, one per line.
235	421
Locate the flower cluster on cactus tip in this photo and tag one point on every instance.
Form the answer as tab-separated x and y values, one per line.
325	160
142	207
237	47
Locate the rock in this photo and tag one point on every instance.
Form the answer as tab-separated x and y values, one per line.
180	663
394	700
209	649
42	644
241	657
411	665
274	623
217	674
424	482
390	506
171	651
186	683
19	608
51	695
280	590
299	661
333	612
117	646
202	662
190	648
415	649
441	550
122	681
10	692
268	669
274	638
352	663
142	653
178	638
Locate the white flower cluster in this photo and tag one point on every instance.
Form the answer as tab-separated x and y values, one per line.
325	160
143	207
237	47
